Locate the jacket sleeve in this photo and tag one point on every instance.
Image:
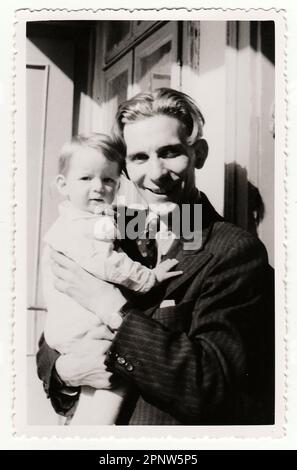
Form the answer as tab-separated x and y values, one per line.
62	397
206	373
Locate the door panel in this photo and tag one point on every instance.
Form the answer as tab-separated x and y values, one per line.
156	60
37	88
117	88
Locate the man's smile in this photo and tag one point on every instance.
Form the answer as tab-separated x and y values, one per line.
158	191
164	190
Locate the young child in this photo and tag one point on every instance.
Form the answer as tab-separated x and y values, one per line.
89	173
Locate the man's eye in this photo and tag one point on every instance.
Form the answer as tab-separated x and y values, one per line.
169	154
139	157
85	178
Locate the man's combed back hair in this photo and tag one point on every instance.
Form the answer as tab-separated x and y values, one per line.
163	101
100	142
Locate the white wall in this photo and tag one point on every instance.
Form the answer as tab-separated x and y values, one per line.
204	79
49	126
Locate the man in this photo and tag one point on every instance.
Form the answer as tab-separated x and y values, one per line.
199	350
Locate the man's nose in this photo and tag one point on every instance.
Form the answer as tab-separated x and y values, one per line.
156	168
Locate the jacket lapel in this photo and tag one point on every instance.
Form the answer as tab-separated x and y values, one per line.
192	261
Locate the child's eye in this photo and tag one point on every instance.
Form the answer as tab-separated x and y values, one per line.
108	180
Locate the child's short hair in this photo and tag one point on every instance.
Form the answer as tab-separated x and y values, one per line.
101	142
164	101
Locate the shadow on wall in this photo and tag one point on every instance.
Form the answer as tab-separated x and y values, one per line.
243	204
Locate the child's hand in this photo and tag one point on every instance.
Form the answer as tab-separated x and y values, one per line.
162	271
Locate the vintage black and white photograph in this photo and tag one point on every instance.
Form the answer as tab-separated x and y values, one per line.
150	156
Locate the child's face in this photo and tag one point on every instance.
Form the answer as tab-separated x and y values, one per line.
92	180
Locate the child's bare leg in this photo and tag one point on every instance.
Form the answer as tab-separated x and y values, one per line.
98	407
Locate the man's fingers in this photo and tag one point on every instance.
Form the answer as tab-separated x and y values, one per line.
100	332
61	259
99	384
100	378
104	346
58	257
114	321
61	285
59	272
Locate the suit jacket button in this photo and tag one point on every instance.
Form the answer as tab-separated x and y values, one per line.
129	367
121	360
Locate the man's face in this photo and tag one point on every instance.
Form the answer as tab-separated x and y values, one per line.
158	161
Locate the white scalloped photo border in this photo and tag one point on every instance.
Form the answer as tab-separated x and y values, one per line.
21	429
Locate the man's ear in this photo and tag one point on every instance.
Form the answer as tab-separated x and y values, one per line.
61	184
201	152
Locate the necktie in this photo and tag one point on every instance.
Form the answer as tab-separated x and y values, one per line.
147	244
149	252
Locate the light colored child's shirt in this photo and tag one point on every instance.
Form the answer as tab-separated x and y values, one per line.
89	240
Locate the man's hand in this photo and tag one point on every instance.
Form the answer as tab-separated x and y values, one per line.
84	364
82	287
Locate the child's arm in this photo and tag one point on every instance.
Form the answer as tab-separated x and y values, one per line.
118	268
107	264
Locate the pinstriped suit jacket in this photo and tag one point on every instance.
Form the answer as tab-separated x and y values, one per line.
209	358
